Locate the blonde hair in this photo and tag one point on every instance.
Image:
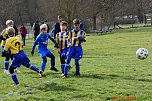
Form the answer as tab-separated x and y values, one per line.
43	26
10	31
9	22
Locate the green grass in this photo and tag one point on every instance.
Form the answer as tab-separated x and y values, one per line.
109	69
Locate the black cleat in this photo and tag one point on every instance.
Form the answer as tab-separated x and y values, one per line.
54	69
76	74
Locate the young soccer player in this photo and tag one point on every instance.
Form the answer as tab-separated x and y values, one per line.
75	39
61	43
14	44
42	41
4	36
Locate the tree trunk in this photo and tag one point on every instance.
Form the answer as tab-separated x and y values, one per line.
94	22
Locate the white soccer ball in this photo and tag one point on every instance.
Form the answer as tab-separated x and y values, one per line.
142	53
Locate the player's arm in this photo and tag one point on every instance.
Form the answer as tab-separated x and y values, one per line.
3	35
69	39
49	36
6	48
57	41
34	45
82	37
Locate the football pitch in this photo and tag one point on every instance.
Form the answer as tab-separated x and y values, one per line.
110	71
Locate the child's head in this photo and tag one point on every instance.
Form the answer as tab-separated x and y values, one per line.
63	26
76	23
43	28
9	23
10	31
60	18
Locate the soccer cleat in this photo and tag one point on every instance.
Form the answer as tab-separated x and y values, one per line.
53	68
6	72
76	74
64	76
15	84
41	74
17	71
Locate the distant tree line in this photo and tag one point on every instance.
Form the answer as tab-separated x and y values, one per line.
28	11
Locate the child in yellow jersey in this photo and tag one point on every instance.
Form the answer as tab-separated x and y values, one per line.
14	44
61	44
75	39
4	36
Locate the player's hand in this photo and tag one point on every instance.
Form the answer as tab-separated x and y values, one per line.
32	53
59	51
74	38
56	45
3	54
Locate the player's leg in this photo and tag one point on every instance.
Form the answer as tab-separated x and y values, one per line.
62	60
17	61
27	64
6	62
52	61
44	61
13	75
77	67
78	56
67	65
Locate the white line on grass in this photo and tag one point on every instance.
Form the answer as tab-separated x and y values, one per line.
26	88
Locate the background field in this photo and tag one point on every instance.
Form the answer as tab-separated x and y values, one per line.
109	69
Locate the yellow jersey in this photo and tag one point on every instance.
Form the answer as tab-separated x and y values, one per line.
14	44
75	37
4	35
61	40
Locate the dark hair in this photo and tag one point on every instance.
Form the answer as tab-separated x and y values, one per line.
76	21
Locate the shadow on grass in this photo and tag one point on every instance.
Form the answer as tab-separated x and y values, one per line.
114	76
54	87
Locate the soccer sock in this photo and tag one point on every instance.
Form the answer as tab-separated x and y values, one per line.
66	67
14	77
6	65
62	68
43	64
52	62
77	70
34	68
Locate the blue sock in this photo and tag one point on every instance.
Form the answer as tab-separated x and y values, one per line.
66	67
43	63
14	77
6	64
34	68
62	68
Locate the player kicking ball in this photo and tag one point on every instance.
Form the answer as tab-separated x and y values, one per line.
14	44
42	42
75	40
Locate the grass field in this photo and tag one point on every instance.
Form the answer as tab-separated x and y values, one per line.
109	72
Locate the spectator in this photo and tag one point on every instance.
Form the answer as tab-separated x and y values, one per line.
16	30
23	33
36	29
57	26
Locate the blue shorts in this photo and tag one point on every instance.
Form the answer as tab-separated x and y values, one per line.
20	59
44	52
75	52
64	52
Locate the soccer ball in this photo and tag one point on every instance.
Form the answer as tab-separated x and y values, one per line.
142	53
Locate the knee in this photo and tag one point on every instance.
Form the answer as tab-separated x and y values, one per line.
11	70
28	66
62	60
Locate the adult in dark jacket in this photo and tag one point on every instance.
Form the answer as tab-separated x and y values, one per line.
57	26
36	29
